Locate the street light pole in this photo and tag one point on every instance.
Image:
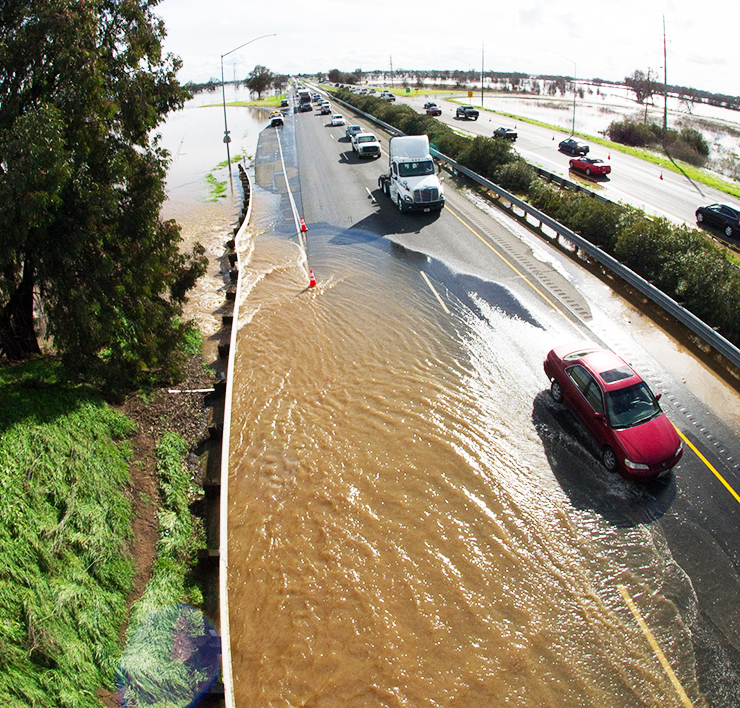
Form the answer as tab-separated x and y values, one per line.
227	138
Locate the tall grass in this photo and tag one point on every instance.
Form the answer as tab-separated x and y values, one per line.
64	525
168	659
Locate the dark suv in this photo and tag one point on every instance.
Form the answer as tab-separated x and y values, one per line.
725	217
467	112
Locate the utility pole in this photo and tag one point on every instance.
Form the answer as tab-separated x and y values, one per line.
665	84
482	57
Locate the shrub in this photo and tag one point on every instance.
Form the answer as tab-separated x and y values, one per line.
628	132
486	155
516	176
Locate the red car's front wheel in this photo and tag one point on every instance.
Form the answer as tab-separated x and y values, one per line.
609	459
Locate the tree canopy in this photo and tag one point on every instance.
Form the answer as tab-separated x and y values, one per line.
644	85
82	86
259	79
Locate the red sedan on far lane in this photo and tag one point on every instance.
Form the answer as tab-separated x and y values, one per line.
590	165
618	408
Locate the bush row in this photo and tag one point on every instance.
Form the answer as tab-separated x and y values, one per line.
688	144
681	261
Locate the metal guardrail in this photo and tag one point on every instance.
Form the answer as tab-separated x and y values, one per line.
688	319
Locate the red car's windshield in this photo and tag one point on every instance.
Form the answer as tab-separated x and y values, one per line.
627	407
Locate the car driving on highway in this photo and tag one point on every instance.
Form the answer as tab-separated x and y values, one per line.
336	119
573	146
433	109
617	407
467	112
506	133
725	217
590	165
352	130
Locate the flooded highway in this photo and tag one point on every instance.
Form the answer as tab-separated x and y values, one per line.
413	521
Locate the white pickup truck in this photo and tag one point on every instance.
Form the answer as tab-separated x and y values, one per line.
366	145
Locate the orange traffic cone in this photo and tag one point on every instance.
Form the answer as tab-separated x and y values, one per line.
303	226
312	279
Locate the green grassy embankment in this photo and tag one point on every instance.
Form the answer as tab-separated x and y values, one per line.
67	552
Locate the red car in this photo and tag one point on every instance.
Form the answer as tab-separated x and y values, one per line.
433	109
590	165
618	408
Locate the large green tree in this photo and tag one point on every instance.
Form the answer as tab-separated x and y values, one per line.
259	80
83	83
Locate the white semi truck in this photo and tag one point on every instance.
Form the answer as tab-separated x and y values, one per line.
412	181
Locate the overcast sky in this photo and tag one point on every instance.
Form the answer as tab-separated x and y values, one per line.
605	39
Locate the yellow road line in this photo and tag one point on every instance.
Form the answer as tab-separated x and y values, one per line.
508	263
711	467
655	647
433	289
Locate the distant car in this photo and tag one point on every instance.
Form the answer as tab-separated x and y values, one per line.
325	110
305	107
506	133
573	146
276	118
284	103
352	130
428	104
336	119
634	436
433	110
590	165
725	217
467	112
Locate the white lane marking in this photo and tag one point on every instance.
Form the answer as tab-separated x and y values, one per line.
436	294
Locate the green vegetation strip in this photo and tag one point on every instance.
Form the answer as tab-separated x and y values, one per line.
267	102
216	189
65	521
151	672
